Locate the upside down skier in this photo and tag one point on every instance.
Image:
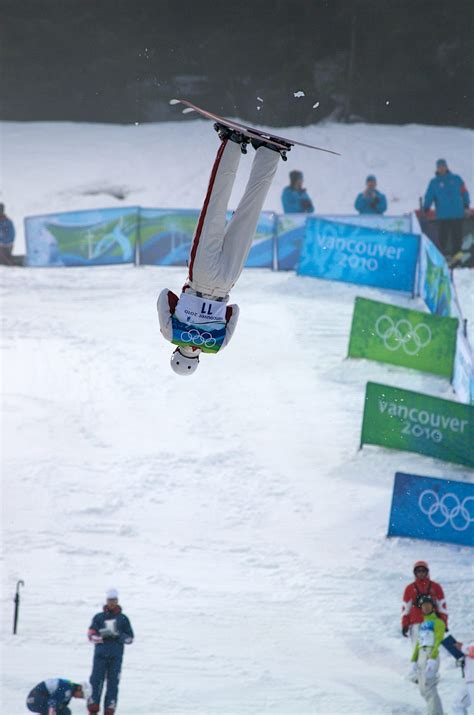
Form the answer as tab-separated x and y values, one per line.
201	319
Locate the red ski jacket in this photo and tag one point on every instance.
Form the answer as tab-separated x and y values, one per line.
410	611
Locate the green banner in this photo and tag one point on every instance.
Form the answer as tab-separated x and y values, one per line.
403	337
401	419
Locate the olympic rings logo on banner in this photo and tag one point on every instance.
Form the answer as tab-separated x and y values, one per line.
402	334
447	509
196	338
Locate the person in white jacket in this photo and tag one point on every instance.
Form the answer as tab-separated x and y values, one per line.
200	319
465	697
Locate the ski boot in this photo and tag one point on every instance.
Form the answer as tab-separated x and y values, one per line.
257	143
232	135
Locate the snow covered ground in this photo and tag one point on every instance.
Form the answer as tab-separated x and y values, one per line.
234	512
50	167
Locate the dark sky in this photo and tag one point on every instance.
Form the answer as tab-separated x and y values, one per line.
121	60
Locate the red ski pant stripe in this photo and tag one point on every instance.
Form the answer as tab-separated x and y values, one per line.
202	216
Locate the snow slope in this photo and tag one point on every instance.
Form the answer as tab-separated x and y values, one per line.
234	512
49	167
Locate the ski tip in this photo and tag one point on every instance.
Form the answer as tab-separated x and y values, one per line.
175	101
187	110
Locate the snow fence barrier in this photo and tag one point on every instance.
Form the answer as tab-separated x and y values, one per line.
432	508
415	422
404	337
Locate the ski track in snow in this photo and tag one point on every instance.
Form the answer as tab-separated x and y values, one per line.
234	511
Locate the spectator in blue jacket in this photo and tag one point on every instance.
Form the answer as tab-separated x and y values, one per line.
110	630
371	201
451	199
52	696
7	237
295	198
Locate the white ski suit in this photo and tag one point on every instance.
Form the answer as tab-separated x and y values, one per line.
218	252
426	657
465	697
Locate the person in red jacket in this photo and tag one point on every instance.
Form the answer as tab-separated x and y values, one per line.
412	614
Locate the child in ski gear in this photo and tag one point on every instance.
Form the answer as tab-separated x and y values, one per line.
465	697
412	615
7	237
295	198
371	201
52	696
200	319
451	199
425	658
110	630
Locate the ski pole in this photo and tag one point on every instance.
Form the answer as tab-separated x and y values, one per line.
17	604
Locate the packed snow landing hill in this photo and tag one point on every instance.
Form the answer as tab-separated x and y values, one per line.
244	529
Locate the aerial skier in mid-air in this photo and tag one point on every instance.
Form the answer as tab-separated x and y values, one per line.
200	319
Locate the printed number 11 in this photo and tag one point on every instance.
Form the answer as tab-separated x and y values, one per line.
203	309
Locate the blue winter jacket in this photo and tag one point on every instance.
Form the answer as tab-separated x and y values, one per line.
371	205
449	195
295	202
7	231
111	645
52	693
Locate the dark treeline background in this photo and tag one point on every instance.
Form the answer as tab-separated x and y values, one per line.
393	61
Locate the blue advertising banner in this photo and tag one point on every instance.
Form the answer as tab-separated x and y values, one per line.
434	280
433	509
166	236
291	231
355	254
463	377
82	238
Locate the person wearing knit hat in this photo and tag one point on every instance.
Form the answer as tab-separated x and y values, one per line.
450	196
412	614
371	201
295	198
109	631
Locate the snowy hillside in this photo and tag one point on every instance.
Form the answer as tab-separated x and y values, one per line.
64	166
233	511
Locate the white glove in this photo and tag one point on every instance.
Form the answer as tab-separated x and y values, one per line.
413	674
431	668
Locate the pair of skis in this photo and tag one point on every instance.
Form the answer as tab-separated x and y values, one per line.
282	144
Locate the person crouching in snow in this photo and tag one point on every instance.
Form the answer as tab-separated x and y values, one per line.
200	319
52	696
465	698
425	659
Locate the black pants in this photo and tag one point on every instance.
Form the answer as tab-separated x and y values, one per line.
450	235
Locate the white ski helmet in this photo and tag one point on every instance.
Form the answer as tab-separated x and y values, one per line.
183	364
86	689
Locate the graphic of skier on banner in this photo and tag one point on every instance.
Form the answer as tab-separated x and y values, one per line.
200	319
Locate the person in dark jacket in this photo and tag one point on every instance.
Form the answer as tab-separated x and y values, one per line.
450	196
295	198
371	201
7	237
52	696
110	630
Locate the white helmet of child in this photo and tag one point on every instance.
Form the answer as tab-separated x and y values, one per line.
86	689
183	364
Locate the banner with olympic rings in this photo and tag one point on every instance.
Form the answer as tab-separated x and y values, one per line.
356	254
400	336
433	509
414	422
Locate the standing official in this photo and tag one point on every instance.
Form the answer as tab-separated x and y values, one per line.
110	630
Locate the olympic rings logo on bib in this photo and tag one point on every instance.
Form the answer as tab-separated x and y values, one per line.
402	334
448	508
196	338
